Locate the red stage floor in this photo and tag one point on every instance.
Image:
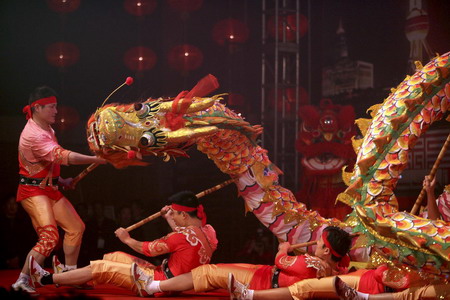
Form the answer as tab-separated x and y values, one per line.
8	277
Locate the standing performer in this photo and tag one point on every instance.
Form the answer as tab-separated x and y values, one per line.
40	157
331	258
191	244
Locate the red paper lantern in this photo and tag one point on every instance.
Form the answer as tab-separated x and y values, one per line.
67	118
290	21
185	57
140	7
63	6
230	31
140	58
62	54
289	101
185	5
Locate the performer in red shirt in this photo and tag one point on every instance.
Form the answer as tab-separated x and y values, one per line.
191	244
331	258
40	157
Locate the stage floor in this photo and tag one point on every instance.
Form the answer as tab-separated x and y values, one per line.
107	292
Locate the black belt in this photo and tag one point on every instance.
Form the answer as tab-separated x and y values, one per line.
276	274
166	270
36	181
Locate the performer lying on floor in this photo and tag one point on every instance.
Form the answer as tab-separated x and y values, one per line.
331	253
190	245
360	285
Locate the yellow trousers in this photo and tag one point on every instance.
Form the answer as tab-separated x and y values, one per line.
115	269
210	277
46	214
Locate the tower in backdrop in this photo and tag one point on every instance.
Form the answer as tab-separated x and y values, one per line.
345	75
416	30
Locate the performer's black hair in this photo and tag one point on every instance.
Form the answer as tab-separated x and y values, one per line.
41	92
185	198
340	240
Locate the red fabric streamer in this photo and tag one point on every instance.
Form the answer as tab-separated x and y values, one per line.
205	86
43	101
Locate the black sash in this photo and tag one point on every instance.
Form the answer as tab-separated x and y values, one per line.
36	181
165	268
276	274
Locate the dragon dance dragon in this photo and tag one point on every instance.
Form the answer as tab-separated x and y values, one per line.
125	133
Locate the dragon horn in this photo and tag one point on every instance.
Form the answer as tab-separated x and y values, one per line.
194	107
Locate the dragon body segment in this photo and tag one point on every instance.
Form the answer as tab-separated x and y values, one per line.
397	123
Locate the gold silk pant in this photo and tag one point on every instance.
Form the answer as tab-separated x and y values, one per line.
46	214
210	277
115	269
323	287
439	291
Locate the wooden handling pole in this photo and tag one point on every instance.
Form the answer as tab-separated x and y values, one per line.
432	173
307	244
199	195
83	174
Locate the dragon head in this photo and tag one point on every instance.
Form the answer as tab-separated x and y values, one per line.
124	133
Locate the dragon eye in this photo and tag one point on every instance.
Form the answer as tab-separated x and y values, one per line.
148	139
142	110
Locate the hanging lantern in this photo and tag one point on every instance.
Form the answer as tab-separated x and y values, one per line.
185	58
417	25
289	99
290	23
140	7
63	6
66	119
185	6
230	31
62	54
139	58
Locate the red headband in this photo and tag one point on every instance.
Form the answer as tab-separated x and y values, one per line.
327	243
345	259
200	212
43	101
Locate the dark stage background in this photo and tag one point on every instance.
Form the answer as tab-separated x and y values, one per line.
104	31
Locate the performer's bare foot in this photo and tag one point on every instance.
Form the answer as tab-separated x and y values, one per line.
345	292
141	280
36	272
238	291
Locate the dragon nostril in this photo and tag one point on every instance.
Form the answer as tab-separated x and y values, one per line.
137	106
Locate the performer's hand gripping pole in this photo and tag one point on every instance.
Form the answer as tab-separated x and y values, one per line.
199	195
83	174
432	173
